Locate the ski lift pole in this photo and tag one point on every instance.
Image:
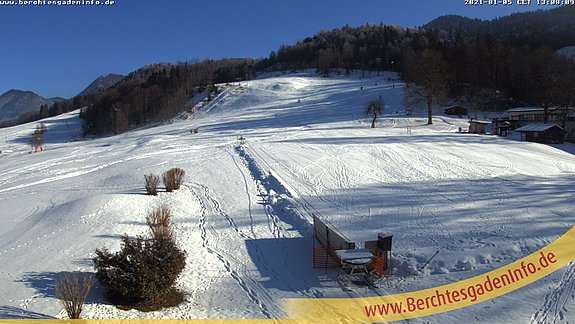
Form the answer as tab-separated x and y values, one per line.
428	261
242	140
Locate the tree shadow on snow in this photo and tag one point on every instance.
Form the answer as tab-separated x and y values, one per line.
59	131
43	283
285	263
11	312
476	216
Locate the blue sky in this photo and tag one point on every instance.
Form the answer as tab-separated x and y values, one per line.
59	50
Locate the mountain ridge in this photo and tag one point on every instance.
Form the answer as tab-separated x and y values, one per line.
554	28
17	106
102	83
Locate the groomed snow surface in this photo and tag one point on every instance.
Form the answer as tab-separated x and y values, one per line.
243	215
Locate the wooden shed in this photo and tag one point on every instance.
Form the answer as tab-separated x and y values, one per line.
477	126
502	129
456	111
542	133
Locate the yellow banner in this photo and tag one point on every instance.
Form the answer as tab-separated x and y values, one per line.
439	299
149	321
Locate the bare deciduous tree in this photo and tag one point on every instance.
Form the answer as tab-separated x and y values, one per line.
431	74
37	141
563	69
152	182
374	109
544	78
160	223
173	179
72	294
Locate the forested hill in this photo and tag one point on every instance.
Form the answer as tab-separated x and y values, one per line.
488	66
375	47
553	28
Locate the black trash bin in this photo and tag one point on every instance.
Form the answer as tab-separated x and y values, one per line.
384	245
384	241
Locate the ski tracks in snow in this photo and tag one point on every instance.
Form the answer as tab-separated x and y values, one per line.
258	175
286	274
554	306
235	268
236	263
248	196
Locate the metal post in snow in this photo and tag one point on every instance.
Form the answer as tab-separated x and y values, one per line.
428	261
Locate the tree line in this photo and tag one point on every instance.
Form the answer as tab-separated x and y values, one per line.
553	28
367	48
156	93
492	76
493	72
489	71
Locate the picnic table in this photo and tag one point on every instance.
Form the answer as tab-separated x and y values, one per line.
354	263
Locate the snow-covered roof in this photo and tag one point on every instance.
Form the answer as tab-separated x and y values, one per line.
506	113
524	109
568	51
480	122
537	127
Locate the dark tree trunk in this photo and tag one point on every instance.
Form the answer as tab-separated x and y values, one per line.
429	110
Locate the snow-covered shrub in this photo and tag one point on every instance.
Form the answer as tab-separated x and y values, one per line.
72	294
152	182
173	179
145	270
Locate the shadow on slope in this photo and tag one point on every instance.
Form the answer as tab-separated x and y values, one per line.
391	139
472	222
10	312
339	102
43	283
61	129
285	263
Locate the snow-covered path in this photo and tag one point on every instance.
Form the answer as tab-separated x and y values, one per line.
243	213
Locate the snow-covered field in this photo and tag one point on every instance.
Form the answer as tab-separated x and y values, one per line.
243	216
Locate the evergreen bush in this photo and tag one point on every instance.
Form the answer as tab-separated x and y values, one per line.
145	269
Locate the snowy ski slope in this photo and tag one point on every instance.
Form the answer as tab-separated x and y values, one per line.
243	216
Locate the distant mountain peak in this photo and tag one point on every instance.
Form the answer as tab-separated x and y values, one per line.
16	91
16	103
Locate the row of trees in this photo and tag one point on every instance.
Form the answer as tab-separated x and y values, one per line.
156	93
491	71
492	76
368	48
554	28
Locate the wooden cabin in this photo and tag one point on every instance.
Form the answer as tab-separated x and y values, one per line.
478	126
456	111
542	133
